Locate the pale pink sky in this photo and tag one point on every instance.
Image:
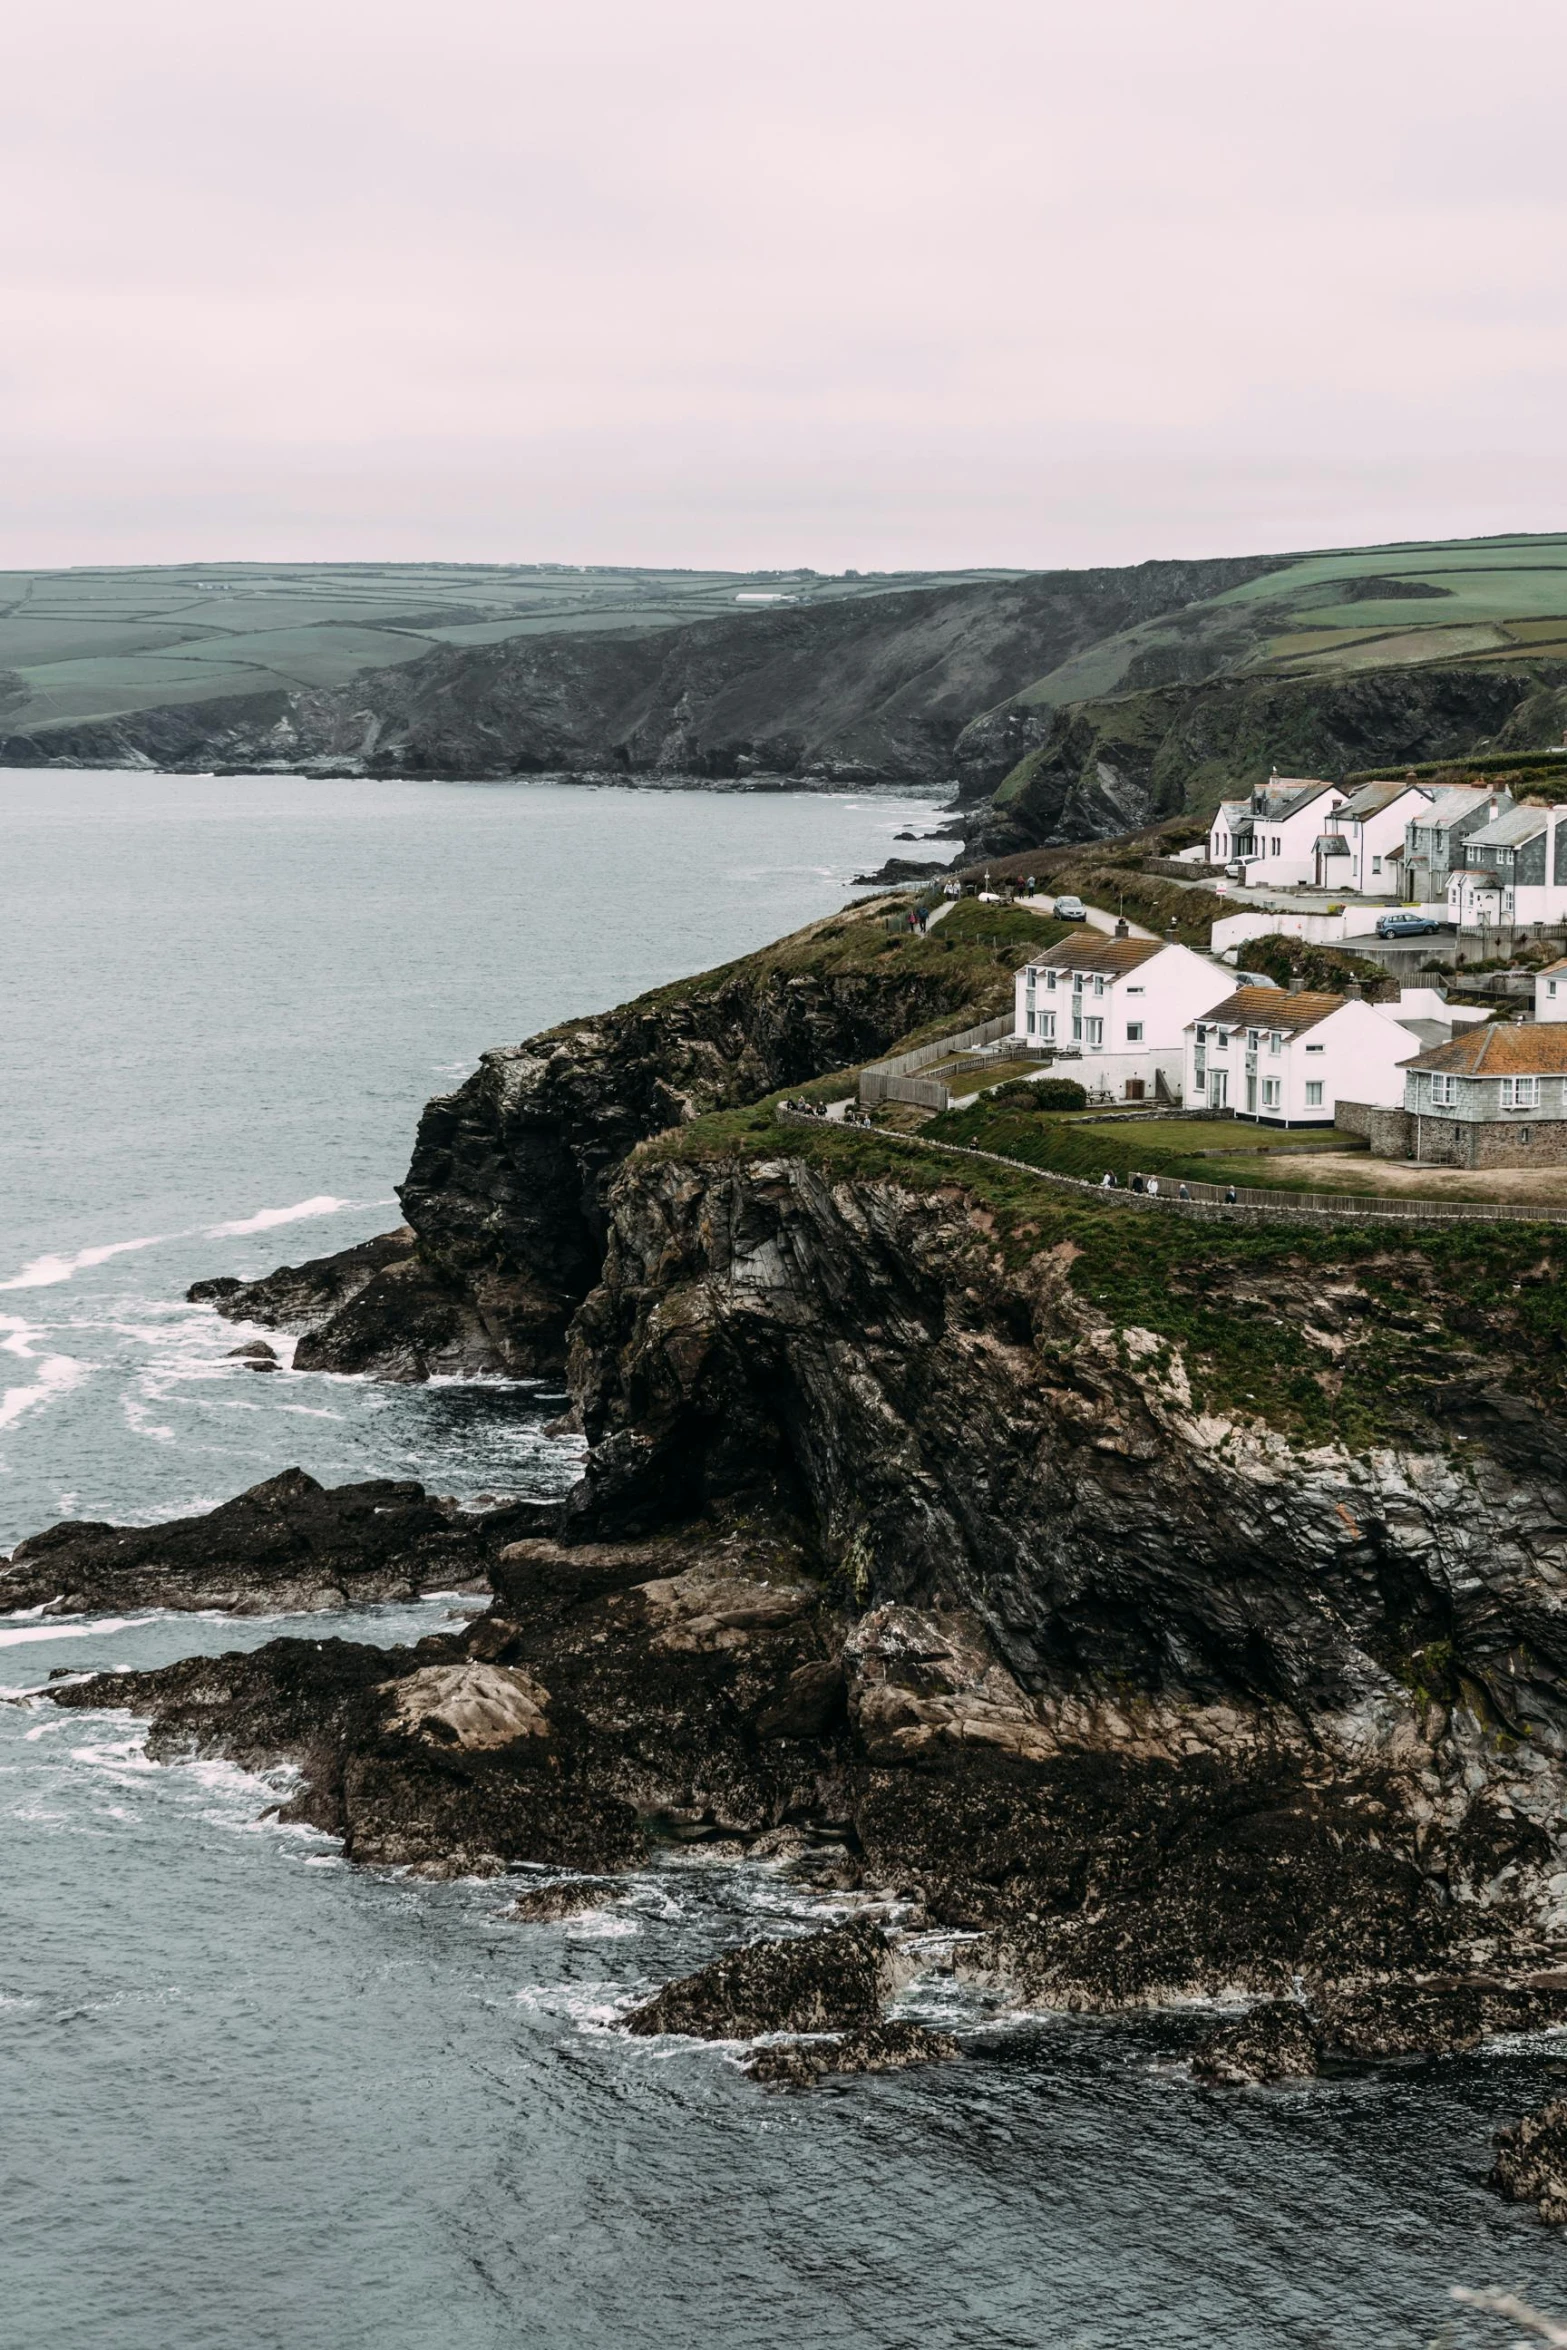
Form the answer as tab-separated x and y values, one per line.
839	282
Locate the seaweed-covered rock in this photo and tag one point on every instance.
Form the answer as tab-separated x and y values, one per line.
285	1546
828	1982
1531	2161
880	2048
1273	2041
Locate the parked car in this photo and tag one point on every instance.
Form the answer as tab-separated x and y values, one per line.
1071	909
1405	926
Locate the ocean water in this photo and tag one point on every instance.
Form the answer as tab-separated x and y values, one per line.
255	2097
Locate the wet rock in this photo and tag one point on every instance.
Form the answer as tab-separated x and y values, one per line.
832	1982
472	1705
916	1678
1274	2041
257	1355
1436	2018
1531	2162
547	1905
702	1610
288	1544
881	2048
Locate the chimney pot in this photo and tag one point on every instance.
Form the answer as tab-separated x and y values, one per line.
1297	984
1121	930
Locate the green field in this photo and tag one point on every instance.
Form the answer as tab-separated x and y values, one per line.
77	645
1363	608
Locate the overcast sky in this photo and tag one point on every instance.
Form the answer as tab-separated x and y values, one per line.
864	283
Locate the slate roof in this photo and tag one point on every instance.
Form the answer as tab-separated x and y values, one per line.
1271	1007
1092	951
1505	1048
1455	800
1515	825
1373	797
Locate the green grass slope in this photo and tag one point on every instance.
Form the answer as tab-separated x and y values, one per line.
86	644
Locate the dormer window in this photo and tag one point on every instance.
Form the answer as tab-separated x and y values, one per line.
1050	983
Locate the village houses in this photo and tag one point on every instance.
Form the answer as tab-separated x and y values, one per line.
1434	838
1122	1005
1514	870
1370	828
1287	1058
1493	1096
1273	834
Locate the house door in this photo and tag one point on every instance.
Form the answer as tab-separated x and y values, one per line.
1251	1094
1134	1089
1219	1089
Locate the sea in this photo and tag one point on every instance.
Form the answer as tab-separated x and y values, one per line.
255	2098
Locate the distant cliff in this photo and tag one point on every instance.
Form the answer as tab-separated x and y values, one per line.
877	689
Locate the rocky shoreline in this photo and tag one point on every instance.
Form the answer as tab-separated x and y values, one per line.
1155	1627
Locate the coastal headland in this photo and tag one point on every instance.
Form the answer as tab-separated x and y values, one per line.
1124	1608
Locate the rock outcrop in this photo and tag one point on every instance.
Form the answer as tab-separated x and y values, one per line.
286	1546
1531	2162
506	1194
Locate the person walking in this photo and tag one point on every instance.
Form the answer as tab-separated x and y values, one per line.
1153	1187
1136	1183
1185	1192
1107	1181
1229	1196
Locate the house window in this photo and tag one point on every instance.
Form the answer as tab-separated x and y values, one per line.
1313	1093
1277	844
1221	1038
1030	1023
1253	1039
1202	1032
1096	1032
1316	1048
1550	989
1522	1134
1134	1032
1376	864
1270	1093
1050	983
1047	1027
1135	991
1275	1041
1199	1079
1520	1093
1444	1092
1099	987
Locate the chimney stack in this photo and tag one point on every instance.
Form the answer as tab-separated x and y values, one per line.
1121	929
1297	984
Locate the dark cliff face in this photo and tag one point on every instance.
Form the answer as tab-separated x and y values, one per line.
960	1425
505	1194
1094	768
875	689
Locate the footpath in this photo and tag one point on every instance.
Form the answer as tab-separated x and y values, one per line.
1213	1199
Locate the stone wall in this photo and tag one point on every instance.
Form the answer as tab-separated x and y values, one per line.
1458	1142
1390	1133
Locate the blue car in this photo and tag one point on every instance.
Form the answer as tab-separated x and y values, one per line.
1405	926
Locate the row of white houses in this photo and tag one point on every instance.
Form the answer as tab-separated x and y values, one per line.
1146	1020
1464	849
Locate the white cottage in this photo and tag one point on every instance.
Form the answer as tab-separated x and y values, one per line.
1274	834
1288	1058
1550	991
1372	824
1120	1005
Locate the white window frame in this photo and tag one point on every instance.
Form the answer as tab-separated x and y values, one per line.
1316	1048
1520	1093
1313	1093
1094	1034
1134	1032
1047	1027
1272	1092
1050	983
1444	1090
1275	1041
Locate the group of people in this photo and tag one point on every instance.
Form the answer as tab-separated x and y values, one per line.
1148	1185
851	1116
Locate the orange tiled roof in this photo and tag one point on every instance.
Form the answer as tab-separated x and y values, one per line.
1272	1007
1092	951
1500	1048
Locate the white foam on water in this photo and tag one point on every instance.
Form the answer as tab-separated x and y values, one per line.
45	1272
15	1638
264	1219
56	1375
